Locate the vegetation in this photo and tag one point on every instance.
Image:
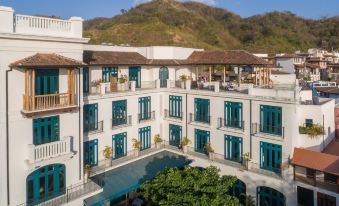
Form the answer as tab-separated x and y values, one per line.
190	186
313	131
123	79
209	148
107	152
136	144
157	139
192	24
185	141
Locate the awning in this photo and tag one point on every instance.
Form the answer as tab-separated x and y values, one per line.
128	178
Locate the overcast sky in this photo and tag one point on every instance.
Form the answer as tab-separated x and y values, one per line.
107	8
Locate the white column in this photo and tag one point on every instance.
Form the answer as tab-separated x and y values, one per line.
157	84
7	19
224	74
210	69
197	73
133	84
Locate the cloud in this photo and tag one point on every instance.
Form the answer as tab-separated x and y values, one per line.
208	2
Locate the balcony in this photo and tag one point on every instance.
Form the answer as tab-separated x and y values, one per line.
121	122
203	119
268	130
94	128
39	153
147	116
170	115
231	124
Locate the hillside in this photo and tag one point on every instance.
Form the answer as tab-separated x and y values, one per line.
167	22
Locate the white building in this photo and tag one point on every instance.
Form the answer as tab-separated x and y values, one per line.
65	101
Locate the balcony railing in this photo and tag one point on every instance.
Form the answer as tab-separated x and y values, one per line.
230	124
93	128
47	151
268	130
173	114
46	102
146	116
205	119
124	121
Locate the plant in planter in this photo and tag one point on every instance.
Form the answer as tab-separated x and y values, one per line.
122	81
157	141
184	143
88	170
96	85
108	154
183	79
136	145
209	150
314	131
246	158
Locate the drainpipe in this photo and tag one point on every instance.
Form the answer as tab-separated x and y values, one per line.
323	132
251	128
186	118
7	137
80	133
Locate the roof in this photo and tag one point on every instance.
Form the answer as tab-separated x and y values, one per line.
230	57
128	178
279	72
316	160
308	65
163	62
332	148
330	90
289	56
114	58
47	60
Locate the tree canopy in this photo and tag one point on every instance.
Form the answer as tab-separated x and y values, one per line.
190	186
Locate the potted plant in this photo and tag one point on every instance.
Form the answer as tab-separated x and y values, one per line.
209	150
157	141
314	131
108	154
246	157
184	143
95	86
136	145
183	79
88	170
188	82
122	82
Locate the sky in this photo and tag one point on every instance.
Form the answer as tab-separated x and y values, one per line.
89	9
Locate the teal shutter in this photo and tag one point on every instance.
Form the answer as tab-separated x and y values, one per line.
233	114
144	108
90	117
119	112
46	130
163	76
85	77
47	81
175	133
233	148
145	138
270	156
271	120
91	153
202	110
270	196
119	145
175	106
201	139
108	72
134	74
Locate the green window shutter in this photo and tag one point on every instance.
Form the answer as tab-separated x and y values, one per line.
271	120
108	72
233	148
90	117
144	108
47	81
145	138
202	138
270	156
119	142
202	110
91	153
46	130
175	106
175	135
119	112
233	114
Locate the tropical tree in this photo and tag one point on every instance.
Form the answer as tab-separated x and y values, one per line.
190	186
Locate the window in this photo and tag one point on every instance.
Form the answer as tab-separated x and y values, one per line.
271	120
90	117
108	73
201	139
175	106
269	196
91	153
270	157
85	77
308	122
119	142
163	76
119	112
134	74
46	183
144	108
175	133
330	178
45	130
202	110
233	114
233	148
239	190
310	173
47	81
145	138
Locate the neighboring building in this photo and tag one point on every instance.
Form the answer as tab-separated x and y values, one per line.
66	102
288	61
308	72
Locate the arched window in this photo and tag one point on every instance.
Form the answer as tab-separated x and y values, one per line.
267	196
46	183
163	76
239	190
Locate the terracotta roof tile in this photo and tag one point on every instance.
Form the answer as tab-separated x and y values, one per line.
235	57
316	160
164	62
47	60
330	90
332	148
114	58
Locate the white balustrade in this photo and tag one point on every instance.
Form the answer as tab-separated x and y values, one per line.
47	151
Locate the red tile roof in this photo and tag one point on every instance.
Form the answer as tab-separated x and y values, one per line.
332	148
114	58
316	160
47	60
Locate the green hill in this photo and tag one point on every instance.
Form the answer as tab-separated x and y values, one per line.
167	22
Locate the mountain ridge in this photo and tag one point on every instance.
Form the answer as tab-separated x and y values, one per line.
192	24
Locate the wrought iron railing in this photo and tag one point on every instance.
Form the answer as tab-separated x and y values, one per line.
206	119
231	124
173	114
146	116
123	121
93	128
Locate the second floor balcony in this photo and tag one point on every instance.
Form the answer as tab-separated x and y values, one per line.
93	127
122	121
231	124
146	116
199	118
173	114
